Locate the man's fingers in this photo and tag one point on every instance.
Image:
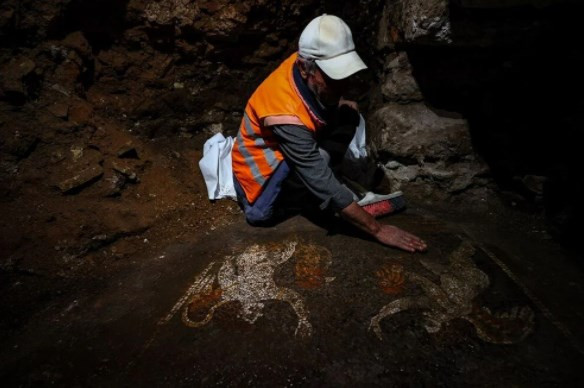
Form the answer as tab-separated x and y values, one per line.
413	237
417	242
407	247
408	244
414	242
394	236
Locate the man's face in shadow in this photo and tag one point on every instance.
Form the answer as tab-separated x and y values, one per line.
327	90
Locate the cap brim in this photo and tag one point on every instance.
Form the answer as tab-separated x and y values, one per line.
342	66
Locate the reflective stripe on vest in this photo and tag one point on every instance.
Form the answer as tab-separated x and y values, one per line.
255	171
260	143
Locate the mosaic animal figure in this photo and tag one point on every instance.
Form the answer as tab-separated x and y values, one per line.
453	298
248	278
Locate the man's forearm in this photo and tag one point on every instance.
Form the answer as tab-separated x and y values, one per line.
360	218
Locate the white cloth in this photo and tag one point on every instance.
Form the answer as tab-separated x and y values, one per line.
357	148
216	167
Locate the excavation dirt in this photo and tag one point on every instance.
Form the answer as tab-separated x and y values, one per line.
490	303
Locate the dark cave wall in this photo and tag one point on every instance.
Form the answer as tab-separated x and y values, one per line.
173	65
510	70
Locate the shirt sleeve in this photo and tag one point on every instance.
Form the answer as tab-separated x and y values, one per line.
301	150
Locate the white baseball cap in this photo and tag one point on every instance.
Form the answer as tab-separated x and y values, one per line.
328	40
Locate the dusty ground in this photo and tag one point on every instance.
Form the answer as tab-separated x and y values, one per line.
125	322
57	232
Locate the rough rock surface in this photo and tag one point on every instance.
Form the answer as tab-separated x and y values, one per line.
399	84
483	60
420	20
416	144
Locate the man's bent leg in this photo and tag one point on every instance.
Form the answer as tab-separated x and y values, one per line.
263	211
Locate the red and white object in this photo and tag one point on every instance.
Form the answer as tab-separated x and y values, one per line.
381	205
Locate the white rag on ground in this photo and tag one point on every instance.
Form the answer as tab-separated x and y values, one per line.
216	161
216	167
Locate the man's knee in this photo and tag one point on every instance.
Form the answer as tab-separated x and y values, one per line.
259	217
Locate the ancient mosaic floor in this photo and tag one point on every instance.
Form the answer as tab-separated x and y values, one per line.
297	305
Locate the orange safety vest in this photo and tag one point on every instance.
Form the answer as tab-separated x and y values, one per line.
256	153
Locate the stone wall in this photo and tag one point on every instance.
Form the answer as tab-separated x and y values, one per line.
480	99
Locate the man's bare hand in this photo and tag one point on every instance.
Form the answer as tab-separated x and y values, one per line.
399	238
385	234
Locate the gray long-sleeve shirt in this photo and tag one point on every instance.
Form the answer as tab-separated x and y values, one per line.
301	151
